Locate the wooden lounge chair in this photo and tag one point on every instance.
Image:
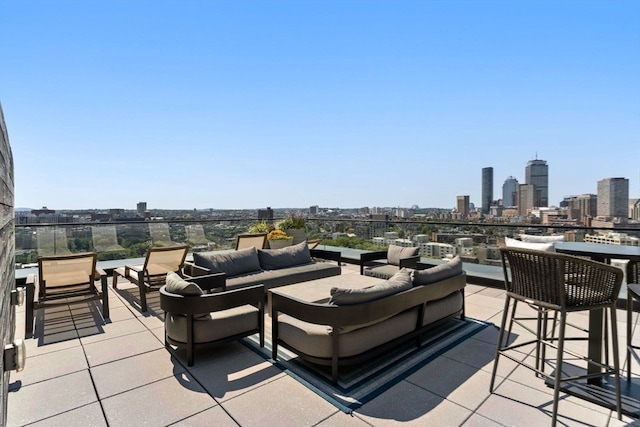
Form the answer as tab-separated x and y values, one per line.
158	262
257	240
65	279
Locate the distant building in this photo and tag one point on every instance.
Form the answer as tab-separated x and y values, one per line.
141	209
526	199
313	210
265	214
537	174
581	207
487	189
509	192
613	198
437	250
462	206
612	239
634	209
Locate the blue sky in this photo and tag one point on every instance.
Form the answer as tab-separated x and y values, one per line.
248	104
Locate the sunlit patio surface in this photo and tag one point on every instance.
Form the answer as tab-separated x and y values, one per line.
85	372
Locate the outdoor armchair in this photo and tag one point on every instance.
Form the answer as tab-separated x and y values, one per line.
65	279
397	257
256	240
195	318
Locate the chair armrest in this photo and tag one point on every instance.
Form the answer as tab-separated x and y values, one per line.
410	262
193	270
208	282
370	256
328	255
136	268
208	303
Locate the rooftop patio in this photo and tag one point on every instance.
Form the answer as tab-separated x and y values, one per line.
82	371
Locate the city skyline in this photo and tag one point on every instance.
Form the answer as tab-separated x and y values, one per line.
243	105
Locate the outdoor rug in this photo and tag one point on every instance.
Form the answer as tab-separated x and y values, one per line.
361	383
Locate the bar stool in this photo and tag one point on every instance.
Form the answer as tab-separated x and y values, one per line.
633	292
547	281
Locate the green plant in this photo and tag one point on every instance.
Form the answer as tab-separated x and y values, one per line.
278	235
292	222
261	227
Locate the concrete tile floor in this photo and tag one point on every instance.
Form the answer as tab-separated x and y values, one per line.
84	371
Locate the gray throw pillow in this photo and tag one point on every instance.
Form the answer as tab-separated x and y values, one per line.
395	253
177	285
232	263
275	259
401	281
437	273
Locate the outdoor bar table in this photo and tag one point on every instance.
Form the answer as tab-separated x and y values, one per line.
602	253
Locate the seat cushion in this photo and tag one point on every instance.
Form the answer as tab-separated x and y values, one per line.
275	259
220	325
437	273
396	253
381	271
233	263
401	281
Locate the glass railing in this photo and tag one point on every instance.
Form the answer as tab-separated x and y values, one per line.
475	242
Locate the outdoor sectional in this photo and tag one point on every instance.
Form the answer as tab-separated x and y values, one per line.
268	267
369	320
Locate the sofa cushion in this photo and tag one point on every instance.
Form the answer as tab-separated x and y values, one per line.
395	253
437	273
513	243
401	281
541	239
177	285
285	276
274	259
233	263
382	271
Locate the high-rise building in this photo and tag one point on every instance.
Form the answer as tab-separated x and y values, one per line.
487	189
265	215
527	195
462	205
141	209
537	173
509	192
613	197
581	207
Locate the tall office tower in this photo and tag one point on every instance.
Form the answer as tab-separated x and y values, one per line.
509	192
141	208
487	189
613	197
527	195
462	205
537	173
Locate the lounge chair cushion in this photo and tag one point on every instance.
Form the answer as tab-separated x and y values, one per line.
233	263
513	243
395	253
275	259
401	281
541	239
437	273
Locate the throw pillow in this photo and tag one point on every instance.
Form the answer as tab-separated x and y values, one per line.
513	243
437	273
541	239
401	281
275	259
177	285
232	263
395	253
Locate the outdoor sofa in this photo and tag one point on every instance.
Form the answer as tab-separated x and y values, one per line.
268	267
368	321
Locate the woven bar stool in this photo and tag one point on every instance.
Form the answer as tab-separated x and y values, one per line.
549	281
